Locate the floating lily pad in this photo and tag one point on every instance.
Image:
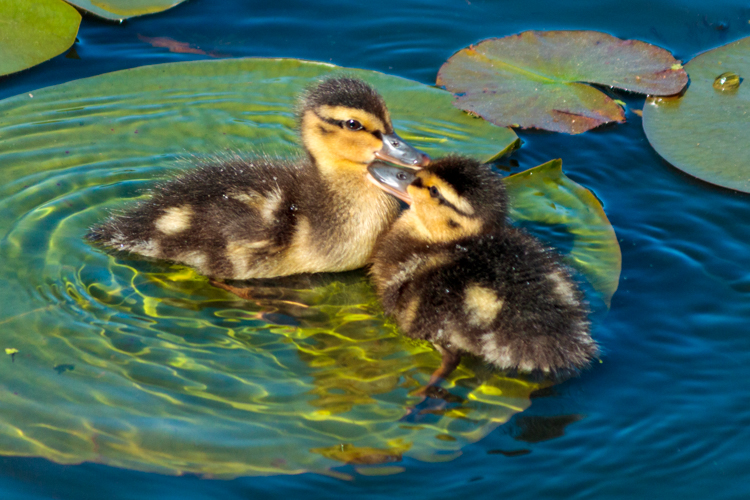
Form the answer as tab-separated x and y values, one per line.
706	132
174	375
534	79
32	32
117	10
545	195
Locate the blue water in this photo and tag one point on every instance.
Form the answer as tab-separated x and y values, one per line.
667	413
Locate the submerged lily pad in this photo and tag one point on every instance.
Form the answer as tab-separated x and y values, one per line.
534	79
545	195
172	374
117	10
706	132
32	32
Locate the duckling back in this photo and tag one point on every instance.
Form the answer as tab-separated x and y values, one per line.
487	289
199	217
244	219
260	218
501	296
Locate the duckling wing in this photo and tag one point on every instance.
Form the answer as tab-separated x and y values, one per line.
503	296
218	218
515	304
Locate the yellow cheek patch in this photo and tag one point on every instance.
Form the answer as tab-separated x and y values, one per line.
359	147
333	147
440	223
467	226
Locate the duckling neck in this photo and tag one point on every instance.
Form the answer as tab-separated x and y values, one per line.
333	167
364	211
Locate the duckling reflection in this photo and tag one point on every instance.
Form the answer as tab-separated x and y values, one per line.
237	218
338	332
356	357
293	300
453	272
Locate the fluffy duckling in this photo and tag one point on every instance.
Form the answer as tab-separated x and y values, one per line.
452	271
237	218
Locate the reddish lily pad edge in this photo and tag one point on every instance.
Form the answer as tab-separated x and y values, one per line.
679	81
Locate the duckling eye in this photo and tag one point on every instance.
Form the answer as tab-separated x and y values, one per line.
434	192
353	125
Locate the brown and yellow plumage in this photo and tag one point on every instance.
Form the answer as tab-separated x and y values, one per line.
240	218
453	272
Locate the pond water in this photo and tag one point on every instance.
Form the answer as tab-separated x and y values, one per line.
130	372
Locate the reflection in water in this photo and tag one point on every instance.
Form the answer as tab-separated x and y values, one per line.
510	453
536	428
349	454
156	369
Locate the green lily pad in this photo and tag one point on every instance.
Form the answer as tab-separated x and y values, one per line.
171	374
144	116
706	132
117	10
533	80
32	32
545	195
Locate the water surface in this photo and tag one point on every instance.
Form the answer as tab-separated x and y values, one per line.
665	414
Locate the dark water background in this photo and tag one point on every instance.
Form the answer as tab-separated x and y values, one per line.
667	414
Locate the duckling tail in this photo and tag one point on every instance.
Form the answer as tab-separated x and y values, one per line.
111	234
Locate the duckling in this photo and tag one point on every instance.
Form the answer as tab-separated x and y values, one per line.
239	218
454	272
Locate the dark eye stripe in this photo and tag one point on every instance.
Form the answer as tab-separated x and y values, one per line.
453	207
441	199
338	123
329	121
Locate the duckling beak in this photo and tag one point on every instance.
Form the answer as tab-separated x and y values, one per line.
392	180
396	150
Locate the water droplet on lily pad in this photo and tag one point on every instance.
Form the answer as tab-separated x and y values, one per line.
727	81
706	131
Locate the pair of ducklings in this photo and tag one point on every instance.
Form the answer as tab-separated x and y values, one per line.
449	269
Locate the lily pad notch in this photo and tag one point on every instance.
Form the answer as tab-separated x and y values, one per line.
538	79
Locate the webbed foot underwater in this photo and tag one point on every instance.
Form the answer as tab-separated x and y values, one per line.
238	218
452	271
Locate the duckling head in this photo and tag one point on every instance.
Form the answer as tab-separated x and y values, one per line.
345	124
451	199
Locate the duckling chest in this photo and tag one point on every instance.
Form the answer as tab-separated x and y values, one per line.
341	237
